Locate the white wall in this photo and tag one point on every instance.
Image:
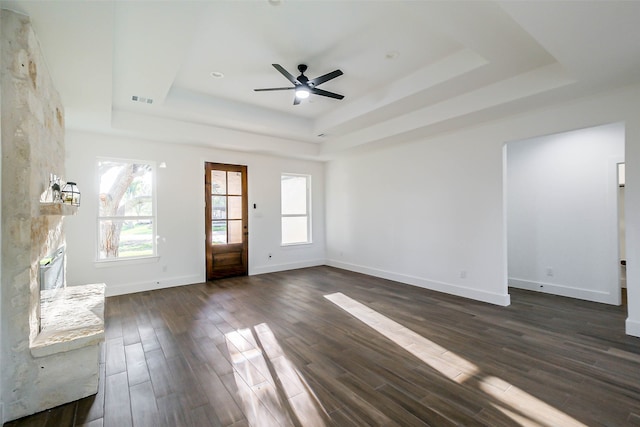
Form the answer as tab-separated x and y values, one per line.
423	212
180	213
562	221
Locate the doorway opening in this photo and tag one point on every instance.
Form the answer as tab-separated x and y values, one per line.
561	213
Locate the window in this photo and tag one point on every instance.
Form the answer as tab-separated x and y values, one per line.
126	209
296	204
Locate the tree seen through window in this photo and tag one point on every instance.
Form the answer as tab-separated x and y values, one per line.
126	209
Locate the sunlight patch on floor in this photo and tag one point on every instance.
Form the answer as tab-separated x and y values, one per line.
520	406
447	363
302	399
265	401
256	387
537	411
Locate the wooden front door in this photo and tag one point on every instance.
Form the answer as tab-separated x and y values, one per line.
226	220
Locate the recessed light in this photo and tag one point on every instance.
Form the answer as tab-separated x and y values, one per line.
275	2
217	74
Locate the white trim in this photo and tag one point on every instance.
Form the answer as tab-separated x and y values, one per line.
119	262
632	327
283	267
565	291
130	288
288	245
448	288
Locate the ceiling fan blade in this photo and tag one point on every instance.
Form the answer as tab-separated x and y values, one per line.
319	80
326	93
285	73
296	100
273	88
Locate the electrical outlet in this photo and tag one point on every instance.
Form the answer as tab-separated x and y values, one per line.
549	271
463	274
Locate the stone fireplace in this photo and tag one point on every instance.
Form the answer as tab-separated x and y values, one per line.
49	357
51	280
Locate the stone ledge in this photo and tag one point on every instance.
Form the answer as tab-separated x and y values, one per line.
74	318
57	209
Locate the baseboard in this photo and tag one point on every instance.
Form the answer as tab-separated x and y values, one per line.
287	266
632	327
130	288
448	288
565	291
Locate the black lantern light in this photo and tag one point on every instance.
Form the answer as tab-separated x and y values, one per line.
70	194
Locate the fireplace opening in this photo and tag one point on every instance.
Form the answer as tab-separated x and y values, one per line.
51	278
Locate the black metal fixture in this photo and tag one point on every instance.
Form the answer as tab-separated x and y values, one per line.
70	194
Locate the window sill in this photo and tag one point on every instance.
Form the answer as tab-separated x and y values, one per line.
106	263
293	245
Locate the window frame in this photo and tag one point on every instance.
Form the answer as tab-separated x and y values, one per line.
153	217
306	215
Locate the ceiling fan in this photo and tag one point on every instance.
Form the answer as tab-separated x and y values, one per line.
305	86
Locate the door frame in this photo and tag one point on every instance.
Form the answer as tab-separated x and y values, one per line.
243	247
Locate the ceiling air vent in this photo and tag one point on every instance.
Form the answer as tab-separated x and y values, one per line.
136	98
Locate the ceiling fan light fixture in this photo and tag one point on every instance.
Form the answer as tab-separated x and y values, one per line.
302	93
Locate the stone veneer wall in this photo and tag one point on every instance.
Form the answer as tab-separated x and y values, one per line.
32	147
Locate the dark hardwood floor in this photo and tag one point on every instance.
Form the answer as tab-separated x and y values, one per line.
271	350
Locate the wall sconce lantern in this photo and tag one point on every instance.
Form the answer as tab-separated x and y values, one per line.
70	194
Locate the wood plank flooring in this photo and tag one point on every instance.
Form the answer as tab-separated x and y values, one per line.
272	350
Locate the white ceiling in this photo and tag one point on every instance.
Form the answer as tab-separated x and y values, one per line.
410	68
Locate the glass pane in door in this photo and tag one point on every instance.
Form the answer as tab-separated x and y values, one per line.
235	207
218	207
218	232
218	182
235	183
235	231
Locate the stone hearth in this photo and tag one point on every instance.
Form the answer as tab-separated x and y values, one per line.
74	319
